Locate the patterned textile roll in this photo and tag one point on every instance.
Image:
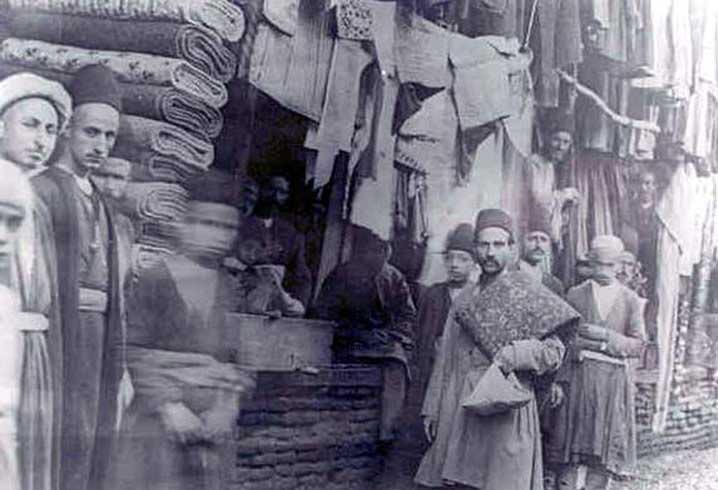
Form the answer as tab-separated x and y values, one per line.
197	45
149	142
155	201
221	16
147	256
150	101
129	67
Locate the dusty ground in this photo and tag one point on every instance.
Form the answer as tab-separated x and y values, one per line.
685	470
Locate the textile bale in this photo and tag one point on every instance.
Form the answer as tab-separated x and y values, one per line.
157	145
197	45
155	201
129	67
150	101
221	16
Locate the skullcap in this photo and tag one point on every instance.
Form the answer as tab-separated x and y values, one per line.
27	86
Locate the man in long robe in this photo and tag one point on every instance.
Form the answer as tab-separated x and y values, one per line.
33	111
596	424
189	390
508	319
15	208
85	239
371	302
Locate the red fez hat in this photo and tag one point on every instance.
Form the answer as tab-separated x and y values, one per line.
461	238
96	84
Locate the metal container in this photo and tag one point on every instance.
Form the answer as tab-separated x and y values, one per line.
282	344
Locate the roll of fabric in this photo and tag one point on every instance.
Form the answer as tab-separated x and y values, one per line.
130	67
197	45
162	169
150	101
221	16
155	201
157	233
151	143
147	256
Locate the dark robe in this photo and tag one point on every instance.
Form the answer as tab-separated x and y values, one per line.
284	246
91	340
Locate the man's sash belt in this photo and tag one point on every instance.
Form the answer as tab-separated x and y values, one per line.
597	356
93	300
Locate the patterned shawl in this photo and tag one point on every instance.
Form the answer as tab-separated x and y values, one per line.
514	307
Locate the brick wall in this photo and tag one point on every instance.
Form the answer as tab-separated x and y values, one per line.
310	431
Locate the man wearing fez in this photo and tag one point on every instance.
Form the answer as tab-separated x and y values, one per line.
188	388
86	240
536	257
596	426
33	111
547	199
284	245
509	319
371	302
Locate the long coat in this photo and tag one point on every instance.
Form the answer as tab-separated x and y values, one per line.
55	187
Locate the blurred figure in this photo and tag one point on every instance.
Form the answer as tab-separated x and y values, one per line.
112	178
596	423
33	111
15	208
177	430
249	198
584	270
629	274
371	302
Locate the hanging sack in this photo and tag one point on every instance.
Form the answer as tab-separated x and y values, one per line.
496	393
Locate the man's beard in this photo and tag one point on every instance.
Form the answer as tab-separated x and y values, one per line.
535	256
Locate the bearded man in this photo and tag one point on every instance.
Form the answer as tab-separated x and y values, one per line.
33	111
509	319
536	258
85	237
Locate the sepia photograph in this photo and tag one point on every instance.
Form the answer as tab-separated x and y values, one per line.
358	244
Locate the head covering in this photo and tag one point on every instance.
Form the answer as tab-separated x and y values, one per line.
96	84
606	247
26	86
116	166
540	221
461	238
626	255
559	120
493	218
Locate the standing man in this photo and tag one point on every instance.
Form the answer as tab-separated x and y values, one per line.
508	319
596	426
86	239
371	302
536	257
33	111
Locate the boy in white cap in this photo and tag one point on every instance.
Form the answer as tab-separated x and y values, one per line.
596	425
33	111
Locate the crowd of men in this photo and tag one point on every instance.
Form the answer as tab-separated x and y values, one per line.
116	381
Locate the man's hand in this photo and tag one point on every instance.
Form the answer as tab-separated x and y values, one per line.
430	425
593	332
504	359
180	423
556	395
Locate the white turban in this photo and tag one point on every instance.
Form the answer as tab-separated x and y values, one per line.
606	247
26	85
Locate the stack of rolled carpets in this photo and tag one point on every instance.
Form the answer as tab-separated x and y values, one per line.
133	68
164	150
150	101
199	46
221	16
160	201
158	234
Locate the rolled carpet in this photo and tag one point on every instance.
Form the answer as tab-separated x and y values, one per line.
155	201
197	45
146	256
149	142
150	101
221	16
158	233
129	67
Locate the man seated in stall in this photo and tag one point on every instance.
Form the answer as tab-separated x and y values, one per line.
188	389
259	285
536	257
283	244
371	302
596	425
